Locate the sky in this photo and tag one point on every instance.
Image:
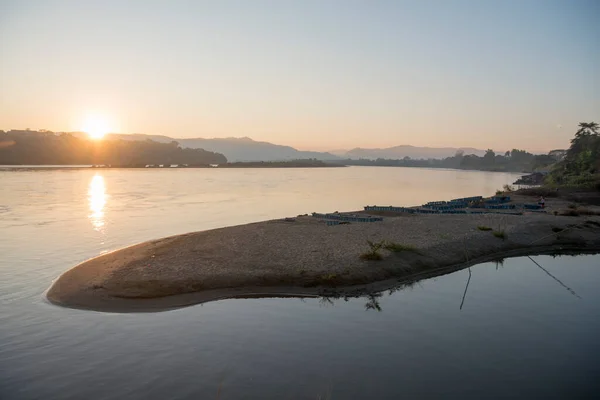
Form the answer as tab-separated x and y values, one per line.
319	75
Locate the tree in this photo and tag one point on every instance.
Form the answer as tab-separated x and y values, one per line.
471	161
586	127
489	157
582	160
585	148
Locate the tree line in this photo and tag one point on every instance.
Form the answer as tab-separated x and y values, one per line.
510	161
48	148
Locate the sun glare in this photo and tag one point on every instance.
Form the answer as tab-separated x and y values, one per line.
96	127
97	201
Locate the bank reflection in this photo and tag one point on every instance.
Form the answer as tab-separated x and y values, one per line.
97	202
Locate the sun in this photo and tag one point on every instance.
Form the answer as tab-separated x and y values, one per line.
96	126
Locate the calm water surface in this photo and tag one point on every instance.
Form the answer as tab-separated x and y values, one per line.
520	332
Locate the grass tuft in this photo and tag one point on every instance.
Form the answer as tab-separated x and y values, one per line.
484	228
371	256
499	234
328	278
577	211
569	213
587	211
398	247
373	253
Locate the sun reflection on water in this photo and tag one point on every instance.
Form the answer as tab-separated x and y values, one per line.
97	201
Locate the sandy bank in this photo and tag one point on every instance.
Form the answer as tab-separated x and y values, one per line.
307	257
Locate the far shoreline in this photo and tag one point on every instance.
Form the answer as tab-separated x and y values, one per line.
265	165
21	168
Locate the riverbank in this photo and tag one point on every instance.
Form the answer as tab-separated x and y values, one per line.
304	256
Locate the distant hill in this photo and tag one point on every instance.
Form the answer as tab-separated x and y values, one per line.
245	149
48	148
238	149
399	152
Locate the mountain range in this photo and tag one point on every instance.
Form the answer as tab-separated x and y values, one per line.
237	149
414	152
246	149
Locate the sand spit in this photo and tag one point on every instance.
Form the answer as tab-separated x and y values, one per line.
306	258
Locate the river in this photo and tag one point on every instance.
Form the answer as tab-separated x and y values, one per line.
519	330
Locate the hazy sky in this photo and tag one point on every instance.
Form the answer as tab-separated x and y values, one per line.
312	74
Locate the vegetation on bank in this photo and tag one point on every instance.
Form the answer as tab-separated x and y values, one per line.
581	165
48	148
577	166
515	161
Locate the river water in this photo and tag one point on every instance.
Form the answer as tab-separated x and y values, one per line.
520	330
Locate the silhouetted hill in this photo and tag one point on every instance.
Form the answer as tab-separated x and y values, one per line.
47	148
238	149
247	149
398	152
